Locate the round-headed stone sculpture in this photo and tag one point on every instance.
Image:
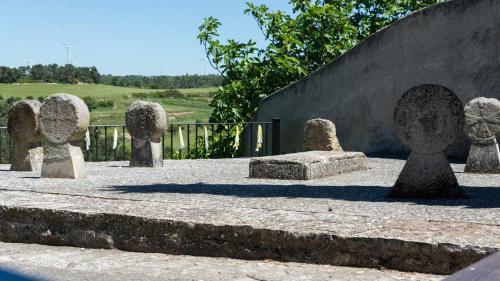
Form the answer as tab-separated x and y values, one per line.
23	125
146	122
482	124
428	119
320	134
64	120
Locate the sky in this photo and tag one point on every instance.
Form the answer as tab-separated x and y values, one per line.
147	37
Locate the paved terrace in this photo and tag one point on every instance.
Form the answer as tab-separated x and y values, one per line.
212	208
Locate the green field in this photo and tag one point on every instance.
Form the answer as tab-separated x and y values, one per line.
192	107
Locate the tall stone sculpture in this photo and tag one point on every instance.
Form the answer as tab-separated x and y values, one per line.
482	124
23	125
146	122
320	134
428	119
64	119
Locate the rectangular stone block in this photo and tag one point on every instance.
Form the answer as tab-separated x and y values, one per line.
307	165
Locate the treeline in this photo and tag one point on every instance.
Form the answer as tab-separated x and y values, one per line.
70	74
51	73
163	82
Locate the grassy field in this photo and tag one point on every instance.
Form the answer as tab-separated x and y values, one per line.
192	107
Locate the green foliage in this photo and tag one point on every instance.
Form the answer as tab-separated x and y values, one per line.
163	82
170	93
317	32
93	103
52	73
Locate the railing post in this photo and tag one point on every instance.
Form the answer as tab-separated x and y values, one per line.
276	136
123	144
163	145
0	146
106	143
171	141
96	131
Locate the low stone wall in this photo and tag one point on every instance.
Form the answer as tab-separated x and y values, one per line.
142	234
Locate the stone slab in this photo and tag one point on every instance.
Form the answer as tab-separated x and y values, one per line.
306	165
212	208
78	264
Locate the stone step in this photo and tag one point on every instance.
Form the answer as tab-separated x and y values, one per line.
66	263
211	208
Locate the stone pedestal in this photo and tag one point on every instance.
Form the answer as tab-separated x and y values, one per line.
26	157
484	158
23	125
428	119
426	176
306	165
64	121
64	161
146	153
146	122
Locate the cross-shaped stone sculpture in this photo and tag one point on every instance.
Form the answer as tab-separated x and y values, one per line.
482	124
146	122
64	120
23	125
428	119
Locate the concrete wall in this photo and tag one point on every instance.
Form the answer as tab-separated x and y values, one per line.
455	44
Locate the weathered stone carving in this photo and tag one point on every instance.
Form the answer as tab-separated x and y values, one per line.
320	134
146	122
23	125
482	124
428	119
64	119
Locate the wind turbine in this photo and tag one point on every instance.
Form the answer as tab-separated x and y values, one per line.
204	65
68	50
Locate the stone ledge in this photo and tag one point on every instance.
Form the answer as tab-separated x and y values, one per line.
307	165
142	234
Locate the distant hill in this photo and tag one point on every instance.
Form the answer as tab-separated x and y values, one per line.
109	103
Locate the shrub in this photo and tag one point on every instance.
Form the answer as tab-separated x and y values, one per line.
91	103
11	100
106	103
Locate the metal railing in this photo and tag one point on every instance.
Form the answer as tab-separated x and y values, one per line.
201	140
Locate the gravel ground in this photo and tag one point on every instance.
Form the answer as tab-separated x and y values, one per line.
65	263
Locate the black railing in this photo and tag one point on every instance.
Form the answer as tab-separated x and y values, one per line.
201	140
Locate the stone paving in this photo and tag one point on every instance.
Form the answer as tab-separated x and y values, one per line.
219	193
66	263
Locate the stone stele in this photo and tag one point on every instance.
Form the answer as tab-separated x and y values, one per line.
146	122
320	134
23	125
307	165
64	119
482	124
428	119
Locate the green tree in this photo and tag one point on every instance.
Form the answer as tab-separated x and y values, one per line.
296	44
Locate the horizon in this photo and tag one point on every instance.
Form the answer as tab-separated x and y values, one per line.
146	38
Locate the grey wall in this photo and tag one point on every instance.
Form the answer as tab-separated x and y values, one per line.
455	44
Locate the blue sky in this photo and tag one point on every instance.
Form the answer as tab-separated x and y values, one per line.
150	37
